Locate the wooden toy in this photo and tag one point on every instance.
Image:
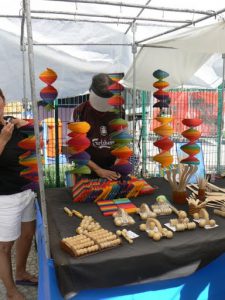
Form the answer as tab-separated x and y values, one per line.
91	238
145	212
162	206
68	211
125	235
121	218
155	230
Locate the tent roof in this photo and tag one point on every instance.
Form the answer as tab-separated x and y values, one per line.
182	56
75	65
87	47
160	14
207	39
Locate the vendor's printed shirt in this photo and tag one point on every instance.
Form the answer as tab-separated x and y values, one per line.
99	134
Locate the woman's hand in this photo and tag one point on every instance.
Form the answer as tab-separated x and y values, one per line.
6	133
19	122
110	175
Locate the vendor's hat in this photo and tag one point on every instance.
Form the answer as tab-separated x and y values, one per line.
100	85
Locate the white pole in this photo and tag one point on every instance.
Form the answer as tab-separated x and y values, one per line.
23	49
36	122
146	6
24	100
68	13
220	125
134	51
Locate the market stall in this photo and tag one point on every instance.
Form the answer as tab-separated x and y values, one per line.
143	261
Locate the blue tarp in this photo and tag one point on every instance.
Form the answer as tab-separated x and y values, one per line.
205	284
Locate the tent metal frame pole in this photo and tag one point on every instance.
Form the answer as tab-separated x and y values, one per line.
56	117
121	4
101	44
10	16
114	17
99	21
144	133
220	119
140	12
88	21
109	16
79	44
26	4
23	50
183	26
134	51
24	100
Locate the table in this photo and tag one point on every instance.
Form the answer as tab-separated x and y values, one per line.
127	264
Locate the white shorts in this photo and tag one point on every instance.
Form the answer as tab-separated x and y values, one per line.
15	209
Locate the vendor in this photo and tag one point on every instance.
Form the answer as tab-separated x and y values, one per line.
96	111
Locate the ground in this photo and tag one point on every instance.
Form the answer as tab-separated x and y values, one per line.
29	292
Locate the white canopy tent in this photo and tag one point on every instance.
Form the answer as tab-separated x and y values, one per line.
80	38
91	43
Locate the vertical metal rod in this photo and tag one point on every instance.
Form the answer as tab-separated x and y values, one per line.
220	117
24	100
26	4
134	51
57	175
23	49
144	133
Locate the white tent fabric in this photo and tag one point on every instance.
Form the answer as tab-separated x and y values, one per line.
207	39
179	64
182	56
74	65
209	75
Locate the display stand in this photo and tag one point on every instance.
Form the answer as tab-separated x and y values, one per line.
204	284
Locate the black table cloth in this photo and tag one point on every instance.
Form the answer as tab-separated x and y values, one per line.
129	263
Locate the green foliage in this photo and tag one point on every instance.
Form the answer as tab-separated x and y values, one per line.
50	175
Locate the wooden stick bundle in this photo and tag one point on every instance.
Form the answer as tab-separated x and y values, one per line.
215	188
209	202
184	176
202	182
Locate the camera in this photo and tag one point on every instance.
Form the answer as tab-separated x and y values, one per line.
8	120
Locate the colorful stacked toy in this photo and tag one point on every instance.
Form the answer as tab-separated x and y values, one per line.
48	94
192	135
29	159
78	143
164	117
119	127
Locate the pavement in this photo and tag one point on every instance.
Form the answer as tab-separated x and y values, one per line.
29	292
